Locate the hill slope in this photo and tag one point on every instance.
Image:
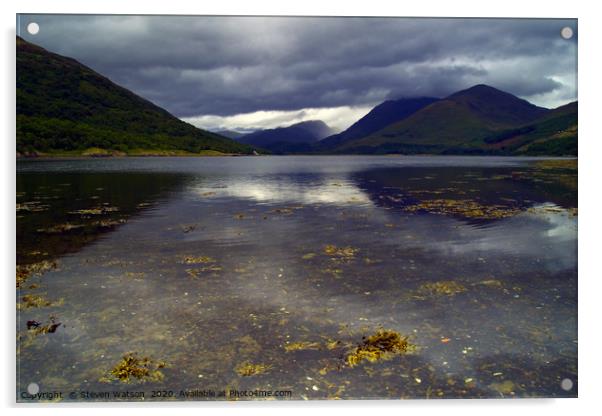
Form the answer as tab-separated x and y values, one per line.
295	138
378	118
555	133
66	107
457	124
230	134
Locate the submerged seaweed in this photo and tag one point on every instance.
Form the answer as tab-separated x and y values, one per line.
342	252
60	228
37	328
442	288
197	260
466	208
135	368
25	271
35	301
302	345
378	346
248	369
300	306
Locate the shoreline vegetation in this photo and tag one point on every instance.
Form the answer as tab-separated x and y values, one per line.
107	153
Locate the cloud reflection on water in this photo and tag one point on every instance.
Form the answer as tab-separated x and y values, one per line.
335	191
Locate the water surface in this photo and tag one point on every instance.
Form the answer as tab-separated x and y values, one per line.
211	263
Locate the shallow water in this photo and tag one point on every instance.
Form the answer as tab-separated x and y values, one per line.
210	263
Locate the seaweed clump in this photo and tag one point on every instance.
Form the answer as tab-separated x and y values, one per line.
248	369
465	208
343	252
34	301
380	345
60	228
198	260
445	287
557	164
302	345
132	367
37	328
24	272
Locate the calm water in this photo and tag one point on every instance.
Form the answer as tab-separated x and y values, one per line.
211	263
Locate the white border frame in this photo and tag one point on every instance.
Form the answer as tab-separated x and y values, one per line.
590	372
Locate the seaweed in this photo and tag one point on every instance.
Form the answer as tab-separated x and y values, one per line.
135	275
302	345
37	328
194	273
108	223
442	288
32	324
466	208
60	228
248	369
506	387
341	252
198	260
382	344
132	367
556	164
35	301
494	283
188	228
25	271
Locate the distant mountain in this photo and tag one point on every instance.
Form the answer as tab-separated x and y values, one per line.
378	118
458	124
64	107
295	138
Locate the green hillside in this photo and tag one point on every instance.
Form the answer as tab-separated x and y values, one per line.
479	120
553	134
64	107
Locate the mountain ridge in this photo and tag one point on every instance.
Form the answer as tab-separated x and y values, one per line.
379	117
65	107
461	124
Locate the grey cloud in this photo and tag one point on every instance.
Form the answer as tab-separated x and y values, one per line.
229	65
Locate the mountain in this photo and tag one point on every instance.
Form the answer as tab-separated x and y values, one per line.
497	107
379	117
295	138
458	124
555	133
64	107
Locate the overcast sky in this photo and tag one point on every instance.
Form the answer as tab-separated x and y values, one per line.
262	72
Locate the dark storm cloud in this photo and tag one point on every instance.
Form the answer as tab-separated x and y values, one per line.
229	65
